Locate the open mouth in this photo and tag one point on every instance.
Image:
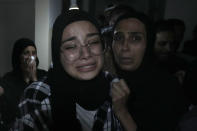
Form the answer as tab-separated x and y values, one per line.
86	67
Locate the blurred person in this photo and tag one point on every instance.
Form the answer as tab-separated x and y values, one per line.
190	46
1	91
156	101
108	11
179	28
190	83
24	72
117	11
188	121
77	94
165	50
165	40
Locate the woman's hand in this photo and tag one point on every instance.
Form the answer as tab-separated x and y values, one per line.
120	93
31	71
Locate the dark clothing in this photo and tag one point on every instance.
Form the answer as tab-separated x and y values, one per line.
188	121
190	48
14	86
173	64
39	96
190	83
156	101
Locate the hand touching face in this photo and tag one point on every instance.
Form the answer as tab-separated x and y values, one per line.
25	58
28	65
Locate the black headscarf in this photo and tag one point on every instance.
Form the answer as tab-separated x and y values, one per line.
18	49
153	91
148	58
66	90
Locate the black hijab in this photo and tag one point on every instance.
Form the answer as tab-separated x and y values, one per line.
148	58
153	91
19	47
66	90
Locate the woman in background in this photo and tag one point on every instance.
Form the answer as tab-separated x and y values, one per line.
24	72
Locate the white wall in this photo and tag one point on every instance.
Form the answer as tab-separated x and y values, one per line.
55	10
45	14
16	20
185	10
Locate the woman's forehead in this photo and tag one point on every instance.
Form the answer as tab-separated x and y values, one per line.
29	48
82	24
80	29
130	23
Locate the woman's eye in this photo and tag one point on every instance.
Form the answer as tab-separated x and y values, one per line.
69	47
25	53
118	37
94	42
34	53
136	38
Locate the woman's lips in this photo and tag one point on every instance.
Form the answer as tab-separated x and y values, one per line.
125	60
86	67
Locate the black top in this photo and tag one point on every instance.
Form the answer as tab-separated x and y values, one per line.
174	63
14	86
189	120
190	83
156	101
190	47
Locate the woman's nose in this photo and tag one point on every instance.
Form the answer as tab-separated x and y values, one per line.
85	52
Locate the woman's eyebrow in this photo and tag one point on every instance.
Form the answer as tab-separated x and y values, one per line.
92	34
135	32
131	32
69	39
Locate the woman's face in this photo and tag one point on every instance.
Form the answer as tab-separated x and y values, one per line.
129	43
25	57
81	50
164	45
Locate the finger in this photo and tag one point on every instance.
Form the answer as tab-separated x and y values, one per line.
117	91
124	86
117	88
115	95
27	60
